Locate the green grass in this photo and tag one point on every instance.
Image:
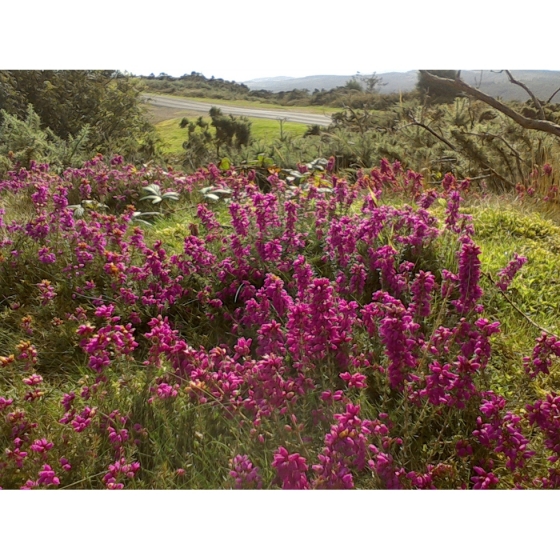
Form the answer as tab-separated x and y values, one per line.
173	135
266	129
504	226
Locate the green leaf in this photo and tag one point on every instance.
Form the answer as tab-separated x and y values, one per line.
225	164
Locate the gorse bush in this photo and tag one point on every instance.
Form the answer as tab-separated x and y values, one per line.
334	333
26	140
99	110
227	136
465	137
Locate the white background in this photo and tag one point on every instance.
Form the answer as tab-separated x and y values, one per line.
248	39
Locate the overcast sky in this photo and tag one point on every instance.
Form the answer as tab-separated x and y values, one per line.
245	39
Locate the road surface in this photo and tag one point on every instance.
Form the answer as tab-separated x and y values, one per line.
188	105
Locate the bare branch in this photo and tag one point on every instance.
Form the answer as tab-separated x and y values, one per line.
426	127
471	179
550	98
531	94
532	124
500	177
536	325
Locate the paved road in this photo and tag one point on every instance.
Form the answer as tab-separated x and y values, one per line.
179	103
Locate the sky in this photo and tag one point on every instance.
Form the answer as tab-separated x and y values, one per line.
250	39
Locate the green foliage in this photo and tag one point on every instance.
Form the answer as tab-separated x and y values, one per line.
230	131
155	196
67	100
503	230
24	140
354	84
198	147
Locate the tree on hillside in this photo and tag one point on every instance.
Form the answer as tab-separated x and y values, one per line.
371	83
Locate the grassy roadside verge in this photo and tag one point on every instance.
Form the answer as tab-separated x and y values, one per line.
262	129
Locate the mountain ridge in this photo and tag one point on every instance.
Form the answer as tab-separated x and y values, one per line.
543	83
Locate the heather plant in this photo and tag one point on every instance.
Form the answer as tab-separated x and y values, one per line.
331	332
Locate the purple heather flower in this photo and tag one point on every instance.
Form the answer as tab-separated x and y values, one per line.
47	476
291	469
484	480
33	380
5	403
469	276
246	476
547	346
506	275
41	446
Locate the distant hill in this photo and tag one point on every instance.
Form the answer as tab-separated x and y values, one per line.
543	83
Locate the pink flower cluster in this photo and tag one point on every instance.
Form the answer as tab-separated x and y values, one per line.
312	317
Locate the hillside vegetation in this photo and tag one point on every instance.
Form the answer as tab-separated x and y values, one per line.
278	319
435	130
543	83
